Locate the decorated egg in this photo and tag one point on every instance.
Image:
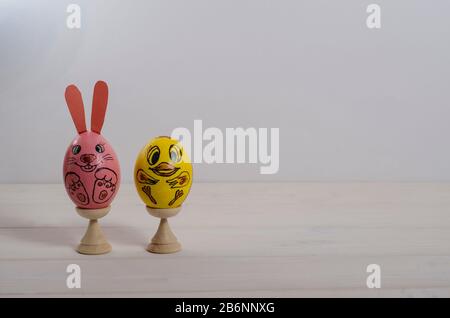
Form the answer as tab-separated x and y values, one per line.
91	169
163	173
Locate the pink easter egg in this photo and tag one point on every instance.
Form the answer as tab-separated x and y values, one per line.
91	169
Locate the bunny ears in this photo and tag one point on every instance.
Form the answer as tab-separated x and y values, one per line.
76	108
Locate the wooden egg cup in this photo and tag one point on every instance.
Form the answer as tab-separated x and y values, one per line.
164	241
94	241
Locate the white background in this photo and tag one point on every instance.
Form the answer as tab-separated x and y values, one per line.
351	103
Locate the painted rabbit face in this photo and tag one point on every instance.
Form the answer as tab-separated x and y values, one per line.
91	170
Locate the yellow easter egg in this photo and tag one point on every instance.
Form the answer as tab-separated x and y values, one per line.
163	173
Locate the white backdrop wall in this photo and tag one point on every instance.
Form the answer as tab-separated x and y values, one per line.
351	103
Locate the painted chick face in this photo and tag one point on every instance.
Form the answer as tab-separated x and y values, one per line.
163	173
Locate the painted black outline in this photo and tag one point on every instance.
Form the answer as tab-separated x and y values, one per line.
102	148
113	185
148	191
103	157
180	152
178	194
165	174
82	185
151	180
77	147
173	183
148	154
147	184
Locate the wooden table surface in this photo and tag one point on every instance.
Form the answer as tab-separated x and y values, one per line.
239	240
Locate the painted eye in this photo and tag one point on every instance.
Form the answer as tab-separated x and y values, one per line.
99	148
175	153
76	149
153	155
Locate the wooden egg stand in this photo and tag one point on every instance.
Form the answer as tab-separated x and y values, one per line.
94	241
164	241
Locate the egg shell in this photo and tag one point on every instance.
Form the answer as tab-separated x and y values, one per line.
163	179
91	176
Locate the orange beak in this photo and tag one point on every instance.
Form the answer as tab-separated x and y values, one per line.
165	169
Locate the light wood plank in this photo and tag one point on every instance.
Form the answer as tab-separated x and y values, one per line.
239	240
